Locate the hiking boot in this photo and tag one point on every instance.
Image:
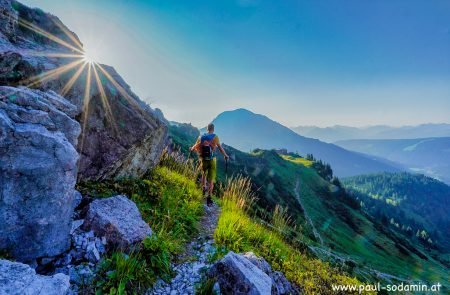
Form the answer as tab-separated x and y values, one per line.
209	201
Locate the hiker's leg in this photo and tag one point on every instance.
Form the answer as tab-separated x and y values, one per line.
203	180
212	176
211	187
204	175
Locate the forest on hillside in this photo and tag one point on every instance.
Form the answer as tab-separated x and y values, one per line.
413	204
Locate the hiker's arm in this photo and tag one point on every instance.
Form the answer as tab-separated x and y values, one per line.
222	151
195	146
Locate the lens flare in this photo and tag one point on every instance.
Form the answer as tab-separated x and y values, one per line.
83	63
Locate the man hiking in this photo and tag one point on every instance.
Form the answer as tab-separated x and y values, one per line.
205	146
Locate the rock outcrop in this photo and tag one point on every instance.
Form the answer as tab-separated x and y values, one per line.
38	169
118	219
18	279
8	20
280	285
237	275
121	135
249	274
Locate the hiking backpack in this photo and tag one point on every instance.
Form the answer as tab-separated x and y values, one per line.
206	150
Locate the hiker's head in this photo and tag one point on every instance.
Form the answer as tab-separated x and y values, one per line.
210	128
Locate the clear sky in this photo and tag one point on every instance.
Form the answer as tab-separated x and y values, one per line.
298	62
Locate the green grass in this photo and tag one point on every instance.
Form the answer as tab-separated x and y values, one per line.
171	203
121	274
298	160
239	232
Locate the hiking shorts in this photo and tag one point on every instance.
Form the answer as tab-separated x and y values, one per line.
209	168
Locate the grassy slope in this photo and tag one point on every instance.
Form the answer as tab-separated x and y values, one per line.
350	232
237	230
345	230
172	204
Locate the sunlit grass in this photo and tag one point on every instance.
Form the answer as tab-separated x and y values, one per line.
239	232
298	160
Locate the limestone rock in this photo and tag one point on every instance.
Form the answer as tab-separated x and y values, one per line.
38	172
241	274
237	275
18	279
118	219
8	19
280	285
81	275
121	135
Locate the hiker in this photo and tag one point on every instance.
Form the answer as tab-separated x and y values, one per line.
205	146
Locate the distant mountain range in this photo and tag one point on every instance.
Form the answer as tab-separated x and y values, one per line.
430	156
246	131
337	132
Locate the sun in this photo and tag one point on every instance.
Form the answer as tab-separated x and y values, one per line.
87	58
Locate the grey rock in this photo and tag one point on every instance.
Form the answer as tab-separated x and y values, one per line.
280	285
47	260
237	275
92	253
81	275
259	262
121	135
118	219
65	260
8	19
18	278
38	168
75	225
77	199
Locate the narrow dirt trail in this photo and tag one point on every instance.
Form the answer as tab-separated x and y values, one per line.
297	195
190	265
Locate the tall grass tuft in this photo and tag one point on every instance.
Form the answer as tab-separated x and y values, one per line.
238	193
282	221
176	161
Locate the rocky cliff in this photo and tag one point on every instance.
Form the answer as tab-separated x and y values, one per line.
121	135
62	119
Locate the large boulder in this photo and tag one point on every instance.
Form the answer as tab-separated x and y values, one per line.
38	169
280	285
118	219
237	275
19	279
121	135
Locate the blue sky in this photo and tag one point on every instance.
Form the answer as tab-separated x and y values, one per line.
299	62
